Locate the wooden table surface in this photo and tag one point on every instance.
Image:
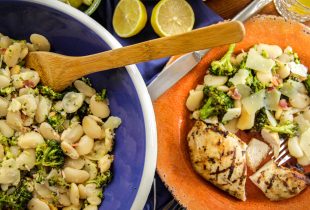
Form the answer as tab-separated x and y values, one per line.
229	8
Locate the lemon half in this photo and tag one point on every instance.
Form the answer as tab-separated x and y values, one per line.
129	18
171	17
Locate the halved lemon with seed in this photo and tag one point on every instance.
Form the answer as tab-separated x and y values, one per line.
171	17
129	18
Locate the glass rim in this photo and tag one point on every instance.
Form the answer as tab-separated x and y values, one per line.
302	5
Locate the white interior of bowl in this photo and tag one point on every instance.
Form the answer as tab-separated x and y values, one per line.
144	98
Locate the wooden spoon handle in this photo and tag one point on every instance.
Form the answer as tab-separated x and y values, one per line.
203	38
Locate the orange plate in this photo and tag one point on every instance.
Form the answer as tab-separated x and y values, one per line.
173	124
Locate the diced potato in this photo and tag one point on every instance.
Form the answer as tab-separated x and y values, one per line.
246	120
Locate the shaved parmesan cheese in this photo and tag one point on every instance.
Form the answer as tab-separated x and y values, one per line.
254	102
211	80
298	69
272	99
240	77
273	51
290	88
231	114
257	62
246	120
244	90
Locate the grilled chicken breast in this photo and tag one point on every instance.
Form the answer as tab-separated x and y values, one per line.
278	182
219	157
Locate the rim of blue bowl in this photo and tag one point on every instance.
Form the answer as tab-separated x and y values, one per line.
144	98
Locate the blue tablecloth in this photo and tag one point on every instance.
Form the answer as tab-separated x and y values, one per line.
203	17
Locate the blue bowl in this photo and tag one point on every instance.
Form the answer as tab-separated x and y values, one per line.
73	33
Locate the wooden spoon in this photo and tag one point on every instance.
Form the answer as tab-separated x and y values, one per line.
59	71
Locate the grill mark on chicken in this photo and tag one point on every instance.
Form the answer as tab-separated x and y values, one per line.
232	167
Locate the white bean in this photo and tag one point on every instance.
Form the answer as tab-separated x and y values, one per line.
240	57
24	51
58	106
5	129
47	131
283	71
32	47
30	140
32	78
28	104
91	168
64	199
294	147
4	104
99	108
299	101
112	123
5	42
40	41
72	101
4	81
71	208
37	204
91	128
74	194
69	150
82	191
75	163
73	175
27	121
264	77
105	162
26	160
94	200
91	207
73	133
194	99
14	120
43	109
92	190
12	54
84	88
85	145
42	190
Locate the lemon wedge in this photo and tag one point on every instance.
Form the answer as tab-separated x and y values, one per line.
129	18
171	17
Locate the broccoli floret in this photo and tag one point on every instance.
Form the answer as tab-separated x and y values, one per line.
307	84
102	179
18	199
49	92
87	81
6	91
56	120
224	67
286	128
58	181
8	141
83	111
253	82
217	103
50	154
261	120
102	95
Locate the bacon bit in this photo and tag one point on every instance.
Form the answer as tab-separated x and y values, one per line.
75	145
28	83
270	88
234	94
23	117
283	104
2	50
